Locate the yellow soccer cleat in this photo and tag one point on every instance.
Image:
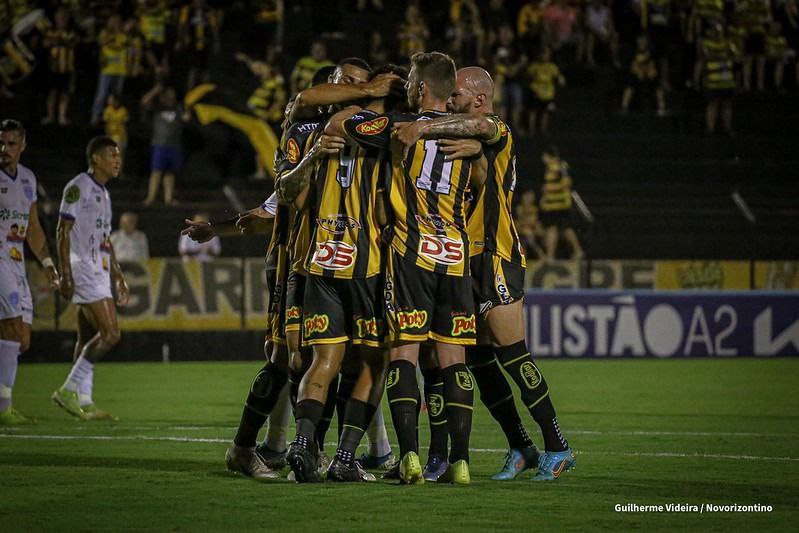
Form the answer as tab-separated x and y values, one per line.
68	401
457	473
12	417
91	412
410	469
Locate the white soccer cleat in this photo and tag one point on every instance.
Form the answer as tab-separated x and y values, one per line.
245	461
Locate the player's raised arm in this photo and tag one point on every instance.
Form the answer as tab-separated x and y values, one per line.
339	93
38	245
461	125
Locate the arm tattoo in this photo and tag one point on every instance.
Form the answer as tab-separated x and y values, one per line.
291	184
461	125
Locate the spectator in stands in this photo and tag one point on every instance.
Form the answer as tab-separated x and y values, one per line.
139	62
466	32
756	16
130	243
530	24
413	33
307	66
191	250
599	23
115	117
198	35
642	78
526	221
561	26
719	81
656	23
544	76
60	41
496	16
112	42
778	53
556	205
153	21
509	64
167	140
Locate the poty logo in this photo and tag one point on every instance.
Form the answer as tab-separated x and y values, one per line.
337	223
292	151
366	328
315	324
334	255
372	127
412	319
441	249
463	324
294	313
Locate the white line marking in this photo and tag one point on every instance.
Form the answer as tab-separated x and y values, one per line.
202	440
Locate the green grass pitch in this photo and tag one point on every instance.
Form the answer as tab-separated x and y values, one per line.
647	431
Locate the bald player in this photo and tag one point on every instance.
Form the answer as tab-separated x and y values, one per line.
497	265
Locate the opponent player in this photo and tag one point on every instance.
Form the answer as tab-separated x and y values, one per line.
20	222
88	265
498	265
427	287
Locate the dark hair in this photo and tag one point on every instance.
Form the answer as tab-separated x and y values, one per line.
437	70
10	124
322	75
355	62
395	101
391	68
97	145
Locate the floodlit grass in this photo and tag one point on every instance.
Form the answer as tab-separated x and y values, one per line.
647	432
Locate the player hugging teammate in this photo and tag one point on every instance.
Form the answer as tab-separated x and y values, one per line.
395	230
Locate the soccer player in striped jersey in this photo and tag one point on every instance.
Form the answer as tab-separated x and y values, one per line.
427	286
497	266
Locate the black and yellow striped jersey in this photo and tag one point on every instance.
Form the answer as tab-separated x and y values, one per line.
427	194
345	240
269	99
297	139
490	220
556	194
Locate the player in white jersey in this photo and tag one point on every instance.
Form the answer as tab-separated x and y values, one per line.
19	221
88	265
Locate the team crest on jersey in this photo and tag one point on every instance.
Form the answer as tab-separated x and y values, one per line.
72	194
315	324
372	127
440	249
334	255
337	223
292	151
3	190
463	324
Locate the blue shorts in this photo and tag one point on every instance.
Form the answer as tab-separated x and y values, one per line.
166	159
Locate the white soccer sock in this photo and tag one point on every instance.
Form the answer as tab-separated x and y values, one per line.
279	420
85	388
80	370
376	433
9	355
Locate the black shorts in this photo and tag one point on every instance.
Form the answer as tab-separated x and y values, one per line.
562	218
343	310
538	104
495	281
276	268
423	305
295	295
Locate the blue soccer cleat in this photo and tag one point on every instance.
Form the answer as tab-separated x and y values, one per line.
435	468
516	462
554	464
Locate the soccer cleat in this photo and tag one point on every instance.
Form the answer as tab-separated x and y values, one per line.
68	401
393	473
553	464
410	469
245	461
457	473
323	463
91	412
303	463
271	458
347	473
516	462
12	417
374	462
435	468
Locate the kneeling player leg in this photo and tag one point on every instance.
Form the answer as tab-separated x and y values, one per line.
458	398
402	390
511	350
264	393
496	395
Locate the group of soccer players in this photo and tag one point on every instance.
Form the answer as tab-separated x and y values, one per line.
393	246
87	266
